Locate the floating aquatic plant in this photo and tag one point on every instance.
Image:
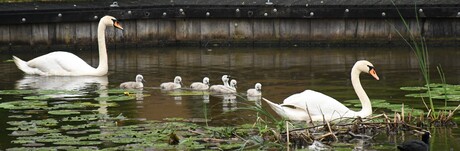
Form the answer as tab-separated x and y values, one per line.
22	105
20	116
115	98
16	92
40	97
63	112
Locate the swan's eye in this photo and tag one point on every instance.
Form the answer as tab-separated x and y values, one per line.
370	67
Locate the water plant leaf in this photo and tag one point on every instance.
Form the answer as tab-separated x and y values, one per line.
18	105
63	112
413	88
22	133
59	92
20	116
16	92
118	91
77	142
115	98
40	97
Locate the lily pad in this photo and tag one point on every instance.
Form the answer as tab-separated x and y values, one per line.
40	97
17	105
20	116
45	122
118	91
413	88
16	92
77	142
63	112
86	117
22	133
59	92
115	98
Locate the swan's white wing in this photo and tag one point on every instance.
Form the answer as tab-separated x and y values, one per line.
318	104
59	62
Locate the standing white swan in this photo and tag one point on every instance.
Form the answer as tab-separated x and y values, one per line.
202	86
311	105
133	85
62	63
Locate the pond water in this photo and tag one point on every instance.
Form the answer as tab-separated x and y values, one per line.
282	72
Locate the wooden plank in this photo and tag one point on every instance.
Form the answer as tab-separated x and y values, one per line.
65	33
327	29
83	33
40	34
167	30
188	29
128	34
241	29
216	29
439	28
21	34
295	29
147	30
4	34
264	30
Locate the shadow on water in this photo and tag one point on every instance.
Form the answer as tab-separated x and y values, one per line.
282	72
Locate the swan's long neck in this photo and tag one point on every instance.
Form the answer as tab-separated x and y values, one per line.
366	103
103	65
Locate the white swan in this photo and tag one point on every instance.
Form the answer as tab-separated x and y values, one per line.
216	88
227	89
62	63
177	84
256	91
133	85
311	105
200	85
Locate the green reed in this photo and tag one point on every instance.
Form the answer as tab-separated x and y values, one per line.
417	43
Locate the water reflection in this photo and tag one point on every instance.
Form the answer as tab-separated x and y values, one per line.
80	83
229	102
68	83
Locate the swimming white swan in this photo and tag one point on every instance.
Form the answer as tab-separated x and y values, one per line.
133	85
200	85
302	106
256	91
62	63
227	89
216	88
177	84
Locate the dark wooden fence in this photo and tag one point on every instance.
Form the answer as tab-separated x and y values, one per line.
228	23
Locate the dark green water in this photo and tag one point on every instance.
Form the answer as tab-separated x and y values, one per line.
282	72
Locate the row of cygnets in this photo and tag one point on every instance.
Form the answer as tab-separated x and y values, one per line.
225	88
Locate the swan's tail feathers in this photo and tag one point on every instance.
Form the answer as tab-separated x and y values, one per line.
22	65
277	108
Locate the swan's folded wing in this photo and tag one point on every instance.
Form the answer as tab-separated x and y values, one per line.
59	62
317	103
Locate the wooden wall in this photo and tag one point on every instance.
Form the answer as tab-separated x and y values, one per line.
230	31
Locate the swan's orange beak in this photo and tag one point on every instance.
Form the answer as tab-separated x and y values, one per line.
117	25
374	74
